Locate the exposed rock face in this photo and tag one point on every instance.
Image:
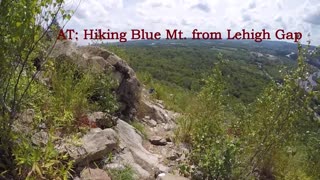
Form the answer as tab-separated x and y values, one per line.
134	154
94	145
94	174
101	60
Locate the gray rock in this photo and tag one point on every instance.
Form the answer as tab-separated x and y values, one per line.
76	178
94	174
169	126
27	116
126	157
158	141
154	111
160	104
114	166
42	126
152	123
96	144
40	138
167	176
134	154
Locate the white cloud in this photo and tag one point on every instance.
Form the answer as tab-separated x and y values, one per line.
201	6
205	15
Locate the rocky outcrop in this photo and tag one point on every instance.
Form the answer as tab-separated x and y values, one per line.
101	60
146	158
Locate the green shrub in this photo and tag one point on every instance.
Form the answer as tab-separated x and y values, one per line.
102	98
73	92
41	162
125	174
59	104
213	149
70	87
270	138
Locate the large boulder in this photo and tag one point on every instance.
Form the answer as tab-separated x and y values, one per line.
101	60
155	111
96	144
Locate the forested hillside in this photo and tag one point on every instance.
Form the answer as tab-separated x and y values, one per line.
249	68
243	106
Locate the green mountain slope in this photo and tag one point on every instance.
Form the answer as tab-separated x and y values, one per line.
249	69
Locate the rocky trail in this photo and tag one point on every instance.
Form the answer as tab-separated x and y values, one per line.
113	143
151	156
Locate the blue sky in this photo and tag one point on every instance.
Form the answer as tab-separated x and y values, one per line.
205	15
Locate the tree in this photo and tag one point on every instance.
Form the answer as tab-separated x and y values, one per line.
23	28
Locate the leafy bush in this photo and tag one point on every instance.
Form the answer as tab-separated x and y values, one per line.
67	98
38	162
102	97
213	149
262	140
59	103
74	91
24	49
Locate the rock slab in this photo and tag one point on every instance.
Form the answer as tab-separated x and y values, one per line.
94	174
96	144
134	154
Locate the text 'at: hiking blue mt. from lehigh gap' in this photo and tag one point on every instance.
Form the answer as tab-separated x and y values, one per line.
175	34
